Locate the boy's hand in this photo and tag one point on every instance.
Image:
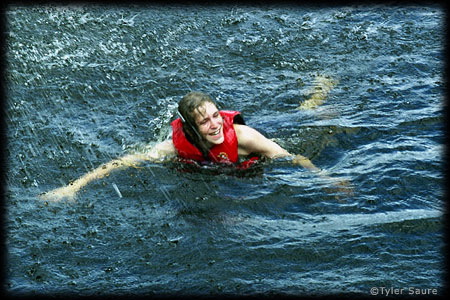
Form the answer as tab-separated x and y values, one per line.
67	192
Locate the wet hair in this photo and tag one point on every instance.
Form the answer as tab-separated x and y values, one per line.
187	109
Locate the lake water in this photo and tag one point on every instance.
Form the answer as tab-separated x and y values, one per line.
86	84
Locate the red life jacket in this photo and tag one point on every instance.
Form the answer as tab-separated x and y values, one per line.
226	152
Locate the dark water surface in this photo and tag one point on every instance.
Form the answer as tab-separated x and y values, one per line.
86	84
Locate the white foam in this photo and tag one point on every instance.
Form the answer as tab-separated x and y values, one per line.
308	225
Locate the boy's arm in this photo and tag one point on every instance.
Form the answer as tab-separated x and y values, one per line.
156	154
252	141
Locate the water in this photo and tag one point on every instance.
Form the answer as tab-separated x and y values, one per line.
86	84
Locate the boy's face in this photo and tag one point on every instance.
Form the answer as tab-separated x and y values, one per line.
210	124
